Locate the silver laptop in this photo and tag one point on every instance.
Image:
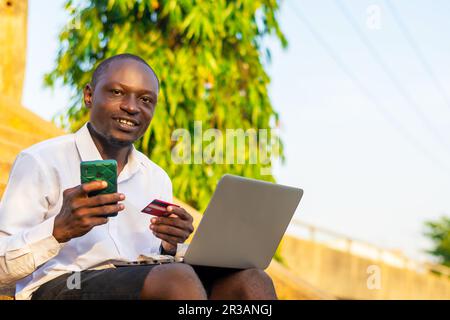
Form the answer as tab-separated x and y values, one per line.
243	224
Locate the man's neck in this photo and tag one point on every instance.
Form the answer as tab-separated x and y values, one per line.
108	151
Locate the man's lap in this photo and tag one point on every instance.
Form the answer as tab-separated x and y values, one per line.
123	283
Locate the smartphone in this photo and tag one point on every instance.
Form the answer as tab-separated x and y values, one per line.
105	170
158	208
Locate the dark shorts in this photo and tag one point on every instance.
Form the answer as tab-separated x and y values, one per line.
123	283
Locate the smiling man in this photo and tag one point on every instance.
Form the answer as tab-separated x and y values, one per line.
52	234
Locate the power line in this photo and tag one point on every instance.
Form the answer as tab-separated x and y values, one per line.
378	106
398	85
417	50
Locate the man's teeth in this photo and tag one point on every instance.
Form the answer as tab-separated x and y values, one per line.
125	122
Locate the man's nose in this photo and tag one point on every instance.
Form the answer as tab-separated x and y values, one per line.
130	105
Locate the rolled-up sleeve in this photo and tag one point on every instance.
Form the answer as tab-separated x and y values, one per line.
26	235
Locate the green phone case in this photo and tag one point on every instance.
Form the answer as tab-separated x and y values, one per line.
100	170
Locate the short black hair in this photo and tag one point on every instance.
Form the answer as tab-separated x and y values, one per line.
103	66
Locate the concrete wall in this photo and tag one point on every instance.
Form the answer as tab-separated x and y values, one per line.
346	275
13	39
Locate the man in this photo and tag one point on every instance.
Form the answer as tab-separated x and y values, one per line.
50	228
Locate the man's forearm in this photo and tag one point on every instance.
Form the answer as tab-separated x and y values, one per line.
19	263
22	253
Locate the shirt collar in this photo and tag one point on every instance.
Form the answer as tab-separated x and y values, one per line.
88	152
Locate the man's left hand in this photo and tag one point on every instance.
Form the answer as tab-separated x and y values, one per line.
173	229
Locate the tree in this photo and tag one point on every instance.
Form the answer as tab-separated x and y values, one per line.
209	56
439	233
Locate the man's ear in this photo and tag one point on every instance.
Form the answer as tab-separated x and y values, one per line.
87	95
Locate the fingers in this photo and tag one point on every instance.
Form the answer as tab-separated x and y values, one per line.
99	200
177	223
85	188
174	229
170	239
177	235
180	212
100	211
88	187
97	221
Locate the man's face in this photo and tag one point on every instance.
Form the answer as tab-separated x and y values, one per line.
123	101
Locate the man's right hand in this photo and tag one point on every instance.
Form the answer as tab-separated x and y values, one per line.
80	213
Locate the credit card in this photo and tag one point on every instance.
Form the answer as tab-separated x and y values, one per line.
158	208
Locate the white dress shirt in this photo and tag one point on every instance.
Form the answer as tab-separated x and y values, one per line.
29	254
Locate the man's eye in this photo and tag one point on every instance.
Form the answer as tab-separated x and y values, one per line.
146	100
116	92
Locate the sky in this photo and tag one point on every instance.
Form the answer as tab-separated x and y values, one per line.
364	104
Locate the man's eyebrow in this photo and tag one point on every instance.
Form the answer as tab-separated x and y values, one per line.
147	91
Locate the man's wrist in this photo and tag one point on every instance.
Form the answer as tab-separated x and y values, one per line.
166	252
59	235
